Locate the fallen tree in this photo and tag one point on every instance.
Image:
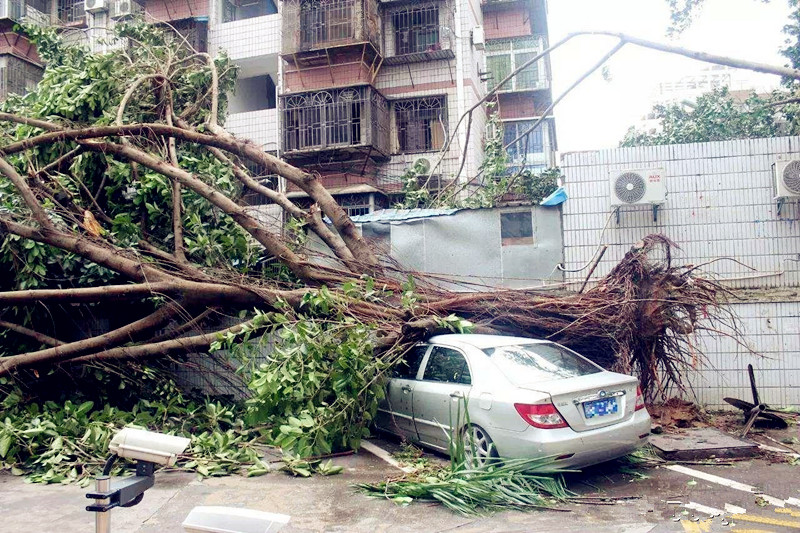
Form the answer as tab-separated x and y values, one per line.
133	193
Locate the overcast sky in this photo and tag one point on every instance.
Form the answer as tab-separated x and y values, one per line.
597	114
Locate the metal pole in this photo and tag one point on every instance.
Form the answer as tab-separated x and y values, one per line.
102	521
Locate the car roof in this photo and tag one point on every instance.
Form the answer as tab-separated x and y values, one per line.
482	341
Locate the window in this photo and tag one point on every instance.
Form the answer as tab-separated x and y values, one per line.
71	11
326	118
516	228
245	9
504	57
17	76
448	365
252	94
326	21
416	29
409	367
528	363
528	150
420	124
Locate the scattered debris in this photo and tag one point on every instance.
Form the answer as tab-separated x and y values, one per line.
676	413
756	409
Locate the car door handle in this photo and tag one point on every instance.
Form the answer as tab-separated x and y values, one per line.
456	394
405	388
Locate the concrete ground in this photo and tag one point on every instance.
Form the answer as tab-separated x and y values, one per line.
331	504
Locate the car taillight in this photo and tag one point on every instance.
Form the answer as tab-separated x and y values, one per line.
639	398
541	415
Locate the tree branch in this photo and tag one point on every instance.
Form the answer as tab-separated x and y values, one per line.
305	181
102	254
331	239
247	222
70	351
179	345
699	56
35	335
8	170
569	89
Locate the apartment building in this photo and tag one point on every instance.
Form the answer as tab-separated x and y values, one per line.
357	91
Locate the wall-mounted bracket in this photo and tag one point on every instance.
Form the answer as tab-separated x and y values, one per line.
781	201
616	212
655	212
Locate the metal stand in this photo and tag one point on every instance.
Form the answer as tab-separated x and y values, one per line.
756	409
102	520
125	492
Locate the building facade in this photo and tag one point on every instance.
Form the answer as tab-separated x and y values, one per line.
355	90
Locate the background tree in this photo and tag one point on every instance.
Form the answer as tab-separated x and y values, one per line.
714	116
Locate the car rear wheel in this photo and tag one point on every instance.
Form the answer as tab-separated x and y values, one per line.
479	449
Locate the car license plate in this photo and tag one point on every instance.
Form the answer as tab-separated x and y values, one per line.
602	407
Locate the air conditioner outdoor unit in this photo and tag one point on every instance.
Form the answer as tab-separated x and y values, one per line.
422	165
95	6
638	187
787	178
478	38
124	8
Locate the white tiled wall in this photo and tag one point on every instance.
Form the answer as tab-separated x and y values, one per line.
260	126
720	203
254	37
773	330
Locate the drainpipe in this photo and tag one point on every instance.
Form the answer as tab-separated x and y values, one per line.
457	32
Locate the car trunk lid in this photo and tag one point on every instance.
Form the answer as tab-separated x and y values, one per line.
587	402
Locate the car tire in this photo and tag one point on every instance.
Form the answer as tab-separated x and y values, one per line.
479	449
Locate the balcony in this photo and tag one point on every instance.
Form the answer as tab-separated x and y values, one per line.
259	126
310	25
249	38
503	57
350	121
31	12
416	33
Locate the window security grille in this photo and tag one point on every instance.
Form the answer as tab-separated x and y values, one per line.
18	77
528	150
420	124
322	119
326	21
12	9
416	30
505	56
262	176
70	11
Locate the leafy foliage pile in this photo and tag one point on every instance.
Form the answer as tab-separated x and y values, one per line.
312	394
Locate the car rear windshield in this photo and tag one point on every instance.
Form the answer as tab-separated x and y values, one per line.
526	363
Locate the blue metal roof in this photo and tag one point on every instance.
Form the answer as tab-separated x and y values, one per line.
398	215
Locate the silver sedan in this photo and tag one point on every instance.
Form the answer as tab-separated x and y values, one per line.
525	398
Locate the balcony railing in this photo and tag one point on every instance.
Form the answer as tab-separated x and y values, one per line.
503	57
17	77
355	117
420	31
317	24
